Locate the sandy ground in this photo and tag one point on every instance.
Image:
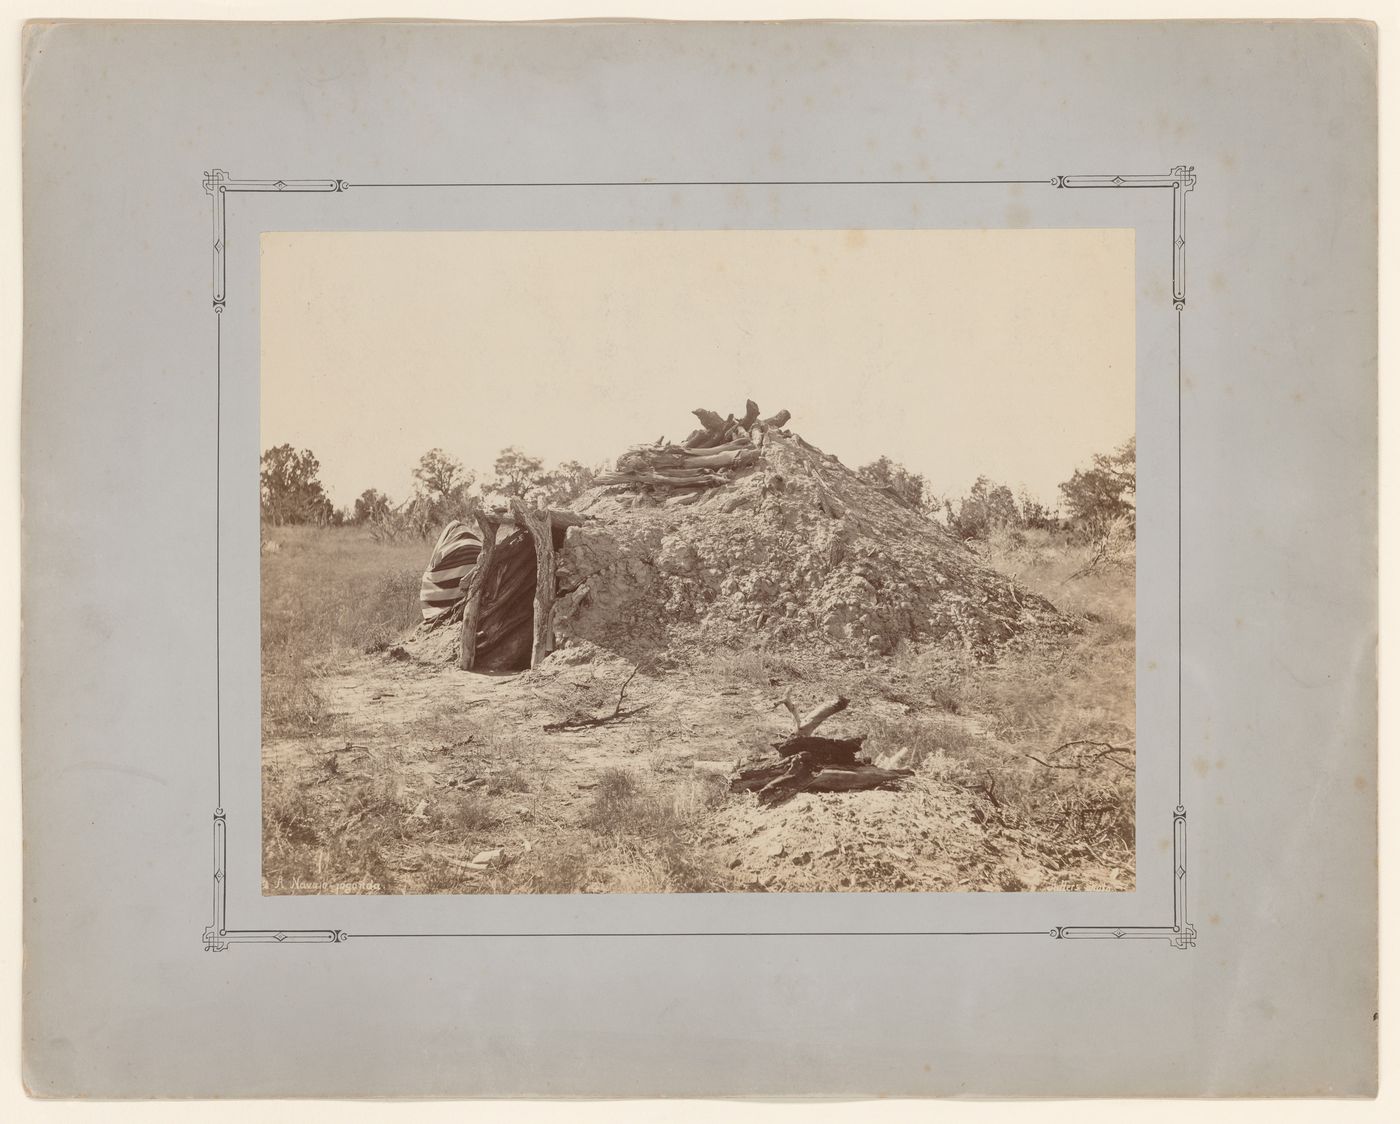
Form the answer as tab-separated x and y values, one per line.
432	733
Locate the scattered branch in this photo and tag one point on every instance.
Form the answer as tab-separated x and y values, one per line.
1048	765
584	722
807	726
1109	545
1107	747
1106	751
625	684
579	722
807	763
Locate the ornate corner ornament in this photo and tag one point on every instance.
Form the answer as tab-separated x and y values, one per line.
217	185
217	936
1180	934
1180	180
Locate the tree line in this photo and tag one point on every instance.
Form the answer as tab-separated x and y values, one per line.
1095	497
443	489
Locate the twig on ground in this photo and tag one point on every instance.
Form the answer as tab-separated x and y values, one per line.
583	722
625	684
1106	751
1107	747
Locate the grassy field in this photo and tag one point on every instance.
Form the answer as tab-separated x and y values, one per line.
1058	721
1036	749
328	593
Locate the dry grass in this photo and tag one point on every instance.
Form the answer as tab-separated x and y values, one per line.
648	832
410	817
1046	734
409	813
405	818
1046	562
744	667
327	593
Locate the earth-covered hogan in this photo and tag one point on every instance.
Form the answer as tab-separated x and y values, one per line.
620	697
742	534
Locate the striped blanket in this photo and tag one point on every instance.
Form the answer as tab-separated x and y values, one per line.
456	552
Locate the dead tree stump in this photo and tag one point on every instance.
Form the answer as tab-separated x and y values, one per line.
809	763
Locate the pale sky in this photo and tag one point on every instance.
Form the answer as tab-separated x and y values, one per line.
1007	353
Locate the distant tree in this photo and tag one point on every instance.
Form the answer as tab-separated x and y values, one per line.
895	480
937	507
516	473
1035	515
442	488
440	478
290	487
567	482
987	507
372	504
1106	491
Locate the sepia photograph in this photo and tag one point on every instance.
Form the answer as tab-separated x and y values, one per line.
705	559
699	561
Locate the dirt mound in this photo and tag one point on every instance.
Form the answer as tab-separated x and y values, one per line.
794	550
765	541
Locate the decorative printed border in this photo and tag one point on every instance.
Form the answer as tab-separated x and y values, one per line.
1180	933
1180	179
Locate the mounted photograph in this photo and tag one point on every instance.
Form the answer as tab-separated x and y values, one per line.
701	561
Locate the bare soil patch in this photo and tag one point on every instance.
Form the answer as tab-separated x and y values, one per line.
424	779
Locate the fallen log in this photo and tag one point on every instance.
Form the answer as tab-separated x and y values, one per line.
663	480
825	751
712	422
737	455
817	753
780	781
756	777
809	763
671	466
862	778
721	443
740	441
808	725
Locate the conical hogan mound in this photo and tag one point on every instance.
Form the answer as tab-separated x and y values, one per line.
746	535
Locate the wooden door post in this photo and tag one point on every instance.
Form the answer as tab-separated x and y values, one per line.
539	525
476	582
